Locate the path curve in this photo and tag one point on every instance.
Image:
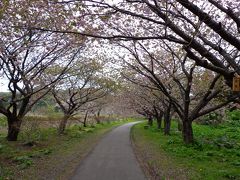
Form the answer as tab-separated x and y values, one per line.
111	159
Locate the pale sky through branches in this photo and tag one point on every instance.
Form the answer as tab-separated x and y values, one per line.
3	85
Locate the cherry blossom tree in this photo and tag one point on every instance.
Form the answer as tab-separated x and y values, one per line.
84	84
192	91
26	57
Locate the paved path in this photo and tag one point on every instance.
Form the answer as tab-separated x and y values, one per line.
112	159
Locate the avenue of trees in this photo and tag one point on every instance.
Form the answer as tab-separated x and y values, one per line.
179	57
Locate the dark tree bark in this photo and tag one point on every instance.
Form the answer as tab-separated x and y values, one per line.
85	119
14	125
167	125
150	120
158	114
14	117
187	132
63	123
167	119
159	121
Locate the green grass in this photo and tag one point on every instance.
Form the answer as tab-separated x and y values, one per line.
49	154
215	155
3	121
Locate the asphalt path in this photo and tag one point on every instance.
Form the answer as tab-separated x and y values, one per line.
111	159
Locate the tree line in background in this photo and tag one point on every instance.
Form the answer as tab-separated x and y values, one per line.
180	56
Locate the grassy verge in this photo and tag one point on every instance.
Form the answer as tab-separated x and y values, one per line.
215	155
42	154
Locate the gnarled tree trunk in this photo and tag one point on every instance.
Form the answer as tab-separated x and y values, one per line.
14	125
85	119
159	121
187	132
63	124
167	120
167	124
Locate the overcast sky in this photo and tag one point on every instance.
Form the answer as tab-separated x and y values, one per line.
3	85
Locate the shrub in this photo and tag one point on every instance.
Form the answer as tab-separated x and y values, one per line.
23	161
3	121
31	132
233	117
213	118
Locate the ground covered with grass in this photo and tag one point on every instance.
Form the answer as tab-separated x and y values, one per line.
42	154
214	156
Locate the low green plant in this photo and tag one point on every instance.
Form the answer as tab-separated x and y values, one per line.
23	161
31	132
89	130
46	151
213	118
3	121
233	117
5	172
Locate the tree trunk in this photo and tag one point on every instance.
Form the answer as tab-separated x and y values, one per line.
97	119
98	116
159	121
167	120
14	125
85	119
63	124
150	121
167	124
187	132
